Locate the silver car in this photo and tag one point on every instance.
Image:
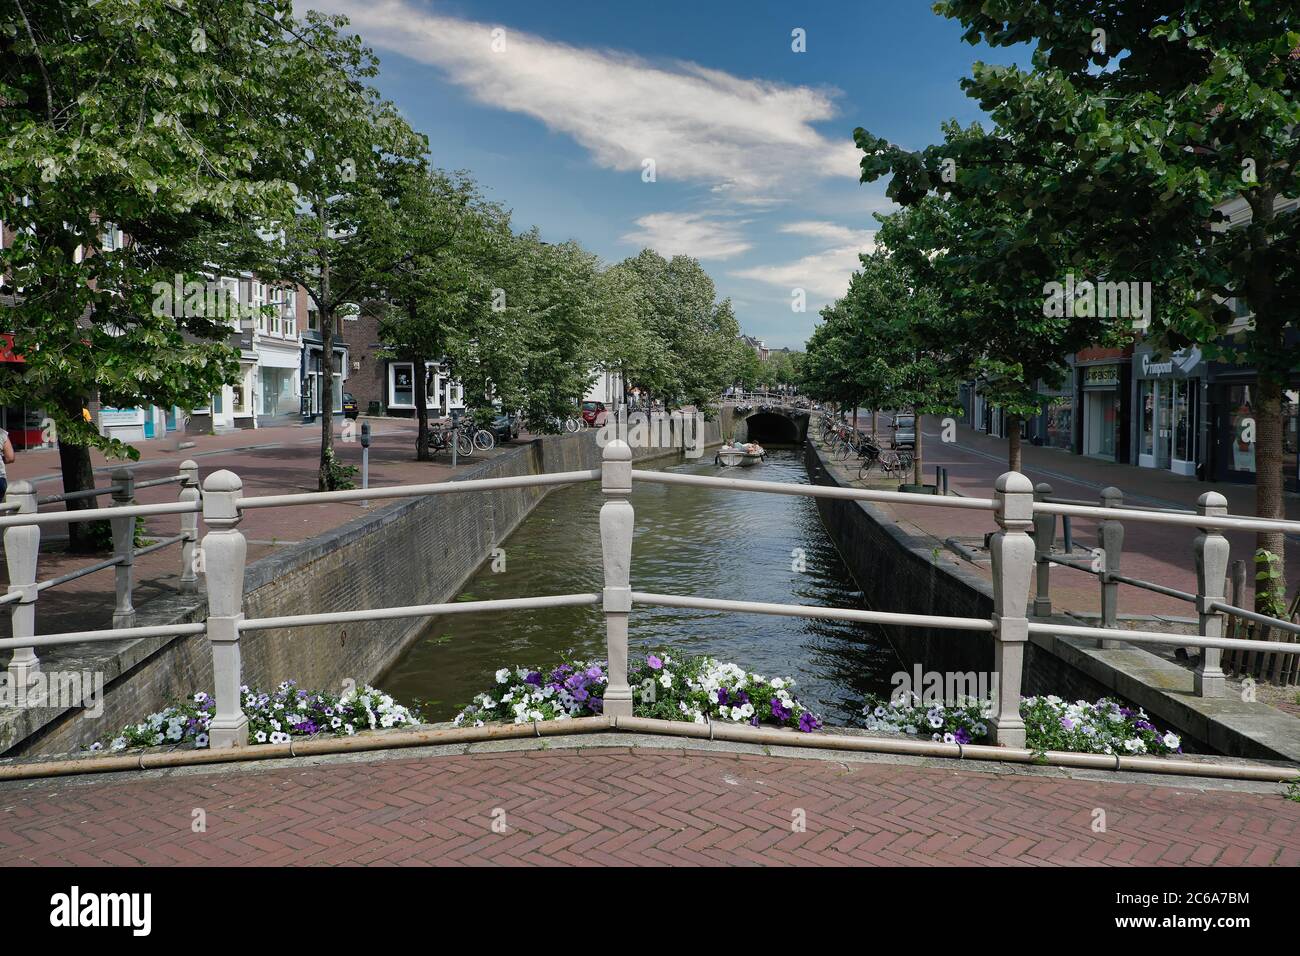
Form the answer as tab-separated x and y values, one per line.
904	432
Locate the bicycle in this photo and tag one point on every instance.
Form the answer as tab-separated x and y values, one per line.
441	440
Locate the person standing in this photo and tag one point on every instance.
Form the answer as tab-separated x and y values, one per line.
6	458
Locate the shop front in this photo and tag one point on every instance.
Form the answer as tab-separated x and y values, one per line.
1102	409
1236	406
1172	402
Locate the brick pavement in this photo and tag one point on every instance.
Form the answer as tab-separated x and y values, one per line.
640	806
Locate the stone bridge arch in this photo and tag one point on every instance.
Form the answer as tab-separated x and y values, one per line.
772	425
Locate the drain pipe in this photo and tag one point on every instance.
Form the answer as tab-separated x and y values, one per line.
643	725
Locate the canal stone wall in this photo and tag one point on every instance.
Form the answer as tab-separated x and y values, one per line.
898	571
414	551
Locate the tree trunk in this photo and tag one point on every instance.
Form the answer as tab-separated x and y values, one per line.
855	418
1013	442
918	466
1261	293
326	304
422	414
74	462
1268	488
875	421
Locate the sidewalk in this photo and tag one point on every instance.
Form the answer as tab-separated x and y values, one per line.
636	802
277	460
1158	553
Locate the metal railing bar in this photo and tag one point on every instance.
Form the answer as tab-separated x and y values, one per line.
1277	622
79	573
101	514
112	634
415	491
810	491
1084	566
813	611
1152	586
1227	522
1053	499
78	495
1153	637
159	545
154	482
418	610
10	597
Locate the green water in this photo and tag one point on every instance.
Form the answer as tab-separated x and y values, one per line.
688	540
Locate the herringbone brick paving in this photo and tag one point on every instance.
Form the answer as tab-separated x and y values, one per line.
636	807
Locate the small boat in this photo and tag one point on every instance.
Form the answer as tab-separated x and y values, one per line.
745	455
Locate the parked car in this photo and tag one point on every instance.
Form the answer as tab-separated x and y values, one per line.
594	414
505	427
350	409
904	432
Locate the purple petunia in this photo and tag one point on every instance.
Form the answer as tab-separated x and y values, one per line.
654	662
808	723
534	678
779	710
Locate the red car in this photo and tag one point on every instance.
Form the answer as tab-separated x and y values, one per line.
594	414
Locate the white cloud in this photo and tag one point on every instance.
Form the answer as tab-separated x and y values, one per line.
697	124
824	274
691	234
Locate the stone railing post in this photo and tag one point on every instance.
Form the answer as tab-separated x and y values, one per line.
223	553
1013	562
1044	538
1111	535
189	526
22	544
616	525
123	548
1211	549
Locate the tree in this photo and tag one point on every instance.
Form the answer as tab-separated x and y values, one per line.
970	238
1164	112
134	115
346	153
442	236
534	347
699	351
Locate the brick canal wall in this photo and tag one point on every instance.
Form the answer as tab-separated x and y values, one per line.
414	551
897	571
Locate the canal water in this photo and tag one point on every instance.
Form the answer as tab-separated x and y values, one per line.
696	541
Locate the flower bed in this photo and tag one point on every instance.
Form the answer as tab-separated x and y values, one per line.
695	689
272	718
1103	727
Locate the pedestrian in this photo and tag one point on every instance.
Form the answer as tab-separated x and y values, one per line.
6	458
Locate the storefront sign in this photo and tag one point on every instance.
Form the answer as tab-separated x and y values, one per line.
1101	376
114	417
1181	364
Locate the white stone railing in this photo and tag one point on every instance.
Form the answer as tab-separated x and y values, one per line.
22	524
1013	549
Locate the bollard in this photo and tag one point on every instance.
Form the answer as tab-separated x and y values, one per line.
223	553
22	543
1067	535
189	526
1111	535
365	460
123	548
1044	537
616	526
1013	562
1211	549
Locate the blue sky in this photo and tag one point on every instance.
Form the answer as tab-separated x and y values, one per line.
755	172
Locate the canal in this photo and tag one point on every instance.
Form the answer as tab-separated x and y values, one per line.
697	541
